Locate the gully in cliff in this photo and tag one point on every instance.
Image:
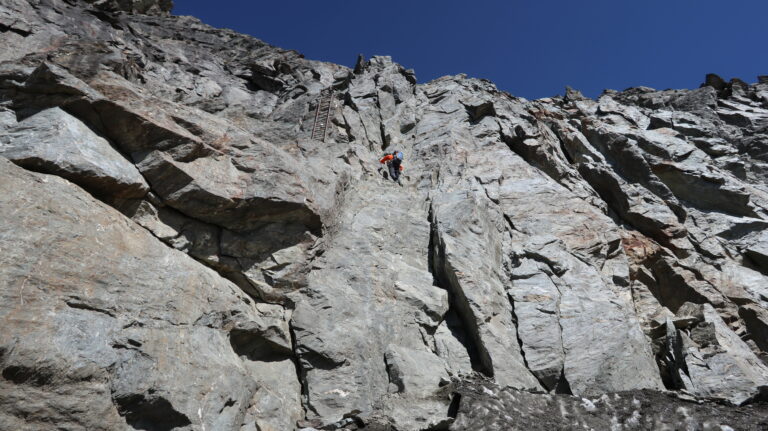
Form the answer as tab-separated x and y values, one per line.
394	165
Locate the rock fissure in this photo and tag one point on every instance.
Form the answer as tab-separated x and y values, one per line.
441	276
89	307
520	342
300	375
11	28
562	387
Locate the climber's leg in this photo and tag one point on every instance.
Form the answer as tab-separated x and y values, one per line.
393	172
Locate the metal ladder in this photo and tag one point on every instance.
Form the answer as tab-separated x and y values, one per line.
322	114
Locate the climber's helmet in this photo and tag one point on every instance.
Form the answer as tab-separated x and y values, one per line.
398	154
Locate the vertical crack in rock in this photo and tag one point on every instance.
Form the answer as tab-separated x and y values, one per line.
383	133
453	408
265	347
443	277
301	374
520	342
671	361
568	156
563	386
392	376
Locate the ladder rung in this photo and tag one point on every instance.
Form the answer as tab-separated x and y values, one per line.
322	114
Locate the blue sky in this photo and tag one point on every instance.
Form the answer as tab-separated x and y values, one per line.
529	48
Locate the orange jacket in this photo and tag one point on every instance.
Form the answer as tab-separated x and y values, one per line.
387	158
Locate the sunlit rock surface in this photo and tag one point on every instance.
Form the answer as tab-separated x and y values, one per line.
179	253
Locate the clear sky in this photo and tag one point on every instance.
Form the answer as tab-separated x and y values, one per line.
529	48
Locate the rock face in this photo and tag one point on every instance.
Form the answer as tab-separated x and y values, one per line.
178	252
53	141
98	341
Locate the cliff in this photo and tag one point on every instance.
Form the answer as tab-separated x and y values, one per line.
197	234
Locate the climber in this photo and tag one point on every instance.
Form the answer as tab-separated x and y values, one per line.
393	162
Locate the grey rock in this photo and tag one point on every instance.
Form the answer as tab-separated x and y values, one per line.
7	120
685	123
536	301
706	351
562	244
414	372
154	338
229	196
608	106
696	100
707	190
336	359
758	250
53	141
714	81
465	241
756	319
451	345
150	7
644	210
572	95
615	341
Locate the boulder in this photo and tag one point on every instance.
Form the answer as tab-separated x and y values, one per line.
55	142
710	360
414	372
714	81
214	190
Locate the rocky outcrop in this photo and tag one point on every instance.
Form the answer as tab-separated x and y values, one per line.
96	340
179	253
150	7
53	141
